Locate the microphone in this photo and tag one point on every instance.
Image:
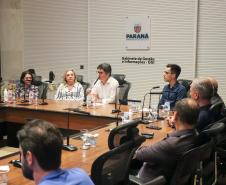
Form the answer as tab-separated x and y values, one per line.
142	112
116	99
155	87
96	81
80	111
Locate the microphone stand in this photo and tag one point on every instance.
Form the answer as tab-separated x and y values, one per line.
142	112
44	92
67	146
116	99
118	114
24	100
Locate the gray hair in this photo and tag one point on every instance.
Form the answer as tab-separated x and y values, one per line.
204	87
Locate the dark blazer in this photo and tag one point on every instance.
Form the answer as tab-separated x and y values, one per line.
161	158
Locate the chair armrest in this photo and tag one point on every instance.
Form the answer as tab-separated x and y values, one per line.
160	180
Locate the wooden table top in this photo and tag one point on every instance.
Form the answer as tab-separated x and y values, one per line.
84	158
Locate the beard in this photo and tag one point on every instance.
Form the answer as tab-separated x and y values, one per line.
27	171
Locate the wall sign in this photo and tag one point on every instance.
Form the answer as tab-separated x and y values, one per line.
137	34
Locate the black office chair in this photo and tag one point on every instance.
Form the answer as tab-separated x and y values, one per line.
112	167
37	80
216	111
51	77
85	85
124	87
123	133
185	172
209	166
185	83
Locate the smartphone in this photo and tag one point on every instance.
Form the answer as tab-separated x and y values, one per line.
154	127
148	135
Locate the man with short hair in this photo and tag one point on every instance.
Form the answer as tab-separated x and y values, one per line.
106	86
201	91
40	147
161	158
174	91
216	97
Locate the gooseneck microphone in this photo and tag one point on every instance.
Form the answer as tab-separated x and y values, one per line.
142	112
116	100
155	87
96	81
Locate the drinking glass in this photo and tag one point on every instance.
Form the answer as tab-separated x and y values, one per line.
85	139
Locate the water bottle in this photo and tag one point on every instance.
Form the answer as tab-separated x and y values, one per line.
88	101
36	100
31	97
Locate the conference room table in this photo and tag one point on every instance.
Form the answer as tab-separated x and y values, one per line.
100	120
61	113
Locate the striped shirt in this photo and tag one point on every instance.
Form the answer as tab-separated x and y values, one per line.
76	93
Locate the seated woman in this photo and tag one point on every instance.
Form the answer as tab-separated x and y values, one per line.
70	89
26	91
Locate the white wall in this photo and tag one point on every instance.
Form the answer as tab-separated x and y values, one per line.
63	34
55	36
172	25
212	42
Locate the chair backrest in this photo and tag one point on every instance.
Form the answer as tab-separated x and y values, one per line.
37	80
79	78
51	76
112	167
213	129
42	90
189	163
216	110
124	87
185	83
85	85
123	133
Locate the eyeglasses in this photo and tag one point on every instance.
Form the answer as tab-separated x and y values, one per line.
100	72
28	78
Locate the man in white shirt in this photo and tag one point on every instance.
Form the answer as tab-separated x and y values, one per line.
104	90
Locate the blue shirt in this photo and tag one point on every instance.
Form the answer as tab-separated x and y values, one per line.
173	94
74	176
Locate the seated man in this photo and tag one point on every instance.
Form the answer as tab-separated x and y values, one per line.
202	91
161	158
105	88
216	97
174	91
40	147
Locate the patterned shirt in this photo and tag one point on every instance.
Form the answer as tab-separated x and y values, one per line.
76	93
23	92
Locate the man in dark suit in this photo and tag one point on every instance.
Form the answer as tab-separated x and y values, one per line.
161	158
201	91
